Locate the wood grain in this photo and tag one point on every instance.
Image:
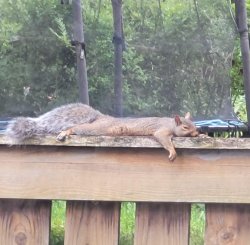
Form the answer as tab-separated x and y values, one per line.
162	223
136	141
24	222
108	174
227	224
92	223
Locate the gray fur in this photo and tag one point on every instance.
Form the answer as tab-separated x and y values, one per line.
52	122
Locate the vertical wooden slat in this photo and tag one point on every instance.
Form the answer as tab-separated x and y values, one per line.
92	223
24	222
162	223
227	224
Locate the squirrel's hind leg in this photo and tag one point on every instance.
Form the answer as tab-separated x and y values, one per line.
64	134
82	129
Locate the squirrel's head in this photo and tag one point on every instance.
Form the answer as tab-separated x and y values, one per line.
184	126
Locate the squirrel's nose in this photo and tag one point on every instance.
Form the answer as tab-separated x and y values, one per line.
194	133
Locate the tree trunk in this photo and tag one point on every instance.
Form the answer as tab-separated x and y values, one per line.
118	46
241	17
78	41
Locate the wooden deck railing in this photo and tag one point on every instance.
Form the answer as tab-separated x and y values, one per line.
95	174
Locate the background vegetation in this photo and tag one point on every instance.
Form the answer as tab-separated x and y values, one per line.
189	71
127	223
177	57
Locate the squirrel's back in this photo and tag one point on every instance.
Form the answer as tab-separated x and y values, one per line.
52	122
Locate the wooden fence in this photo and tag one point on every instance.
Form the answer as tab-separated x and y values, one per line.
95	174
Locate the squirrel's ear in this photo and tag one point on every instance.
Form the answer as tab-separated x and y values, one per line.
177	120
188	116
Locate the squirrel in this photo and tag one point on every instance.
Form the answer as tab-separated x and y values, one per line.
81	119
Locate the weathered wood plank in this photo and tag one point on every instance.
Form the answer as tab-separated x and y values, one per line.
92	223
80	173
227	224
162	223
137	141
24	222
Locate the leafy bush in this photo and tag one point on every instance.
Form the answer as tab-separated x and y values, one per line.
197	224
127	223
57	223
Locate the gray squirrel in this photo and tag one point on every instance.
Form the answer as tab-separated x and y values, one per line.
81	119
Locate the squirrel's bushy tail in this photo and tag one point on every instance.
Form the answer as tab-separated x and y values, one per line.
21	128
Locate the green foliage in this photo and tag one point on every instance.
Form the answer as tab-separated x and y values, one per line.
38	66
63	34
176	52
186	50
57	223
240	107
197	224
127	223
37	69
236	74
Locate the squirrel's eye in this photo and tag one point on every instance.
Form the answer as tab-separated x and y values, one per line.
185	127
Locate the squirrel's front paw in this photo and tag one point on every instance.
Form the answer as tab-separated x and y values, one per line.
172	155
204	136
62	136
